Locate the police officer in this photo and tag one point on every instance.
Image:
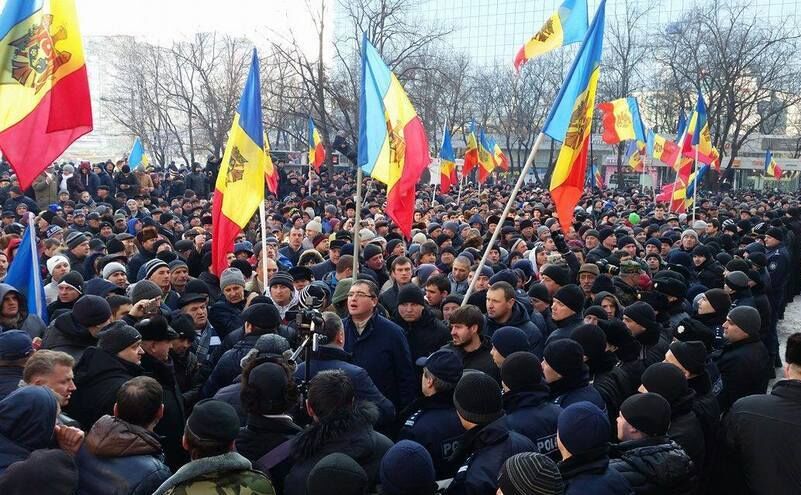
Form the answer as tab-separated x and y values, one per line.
778	268
432	420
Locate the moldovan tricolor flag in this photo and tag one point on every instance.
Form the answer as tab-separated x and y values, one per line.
567	25
44	92
316	147
393	148
621	121
471	151
447	163
270	170
771	168
570	121
240	181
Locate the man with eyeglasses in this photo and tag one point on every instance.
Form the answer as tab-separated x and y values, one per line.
379	346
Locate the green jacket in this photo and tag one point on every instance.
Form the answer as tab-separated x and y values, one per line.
227	474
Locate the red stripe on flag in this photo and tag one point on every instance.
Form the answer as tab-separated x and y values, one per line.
225	231
400	199
63	115
566	195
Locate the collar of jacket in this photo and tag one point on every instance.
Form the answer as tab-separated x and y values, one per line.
230	461
531	396
788	389
330	352
623	447
570	320
482	436
440	400
594	461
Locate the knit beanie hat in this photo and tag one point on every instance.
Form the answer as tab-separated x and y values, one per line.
411	293
540	292
56	260
666	380
315	225
91	310
602	284
337	473
776	233
73	279
642	313
371	250
582	427
596	311
151	267
175	264
145	289
565	356
737	280
719	300
560	275
280	278
747	318
521	371
530	473
407	469
507	340
648	413
691	355
571	296
592	339
112	268
75	239
341	291
232	276
117	336
477	398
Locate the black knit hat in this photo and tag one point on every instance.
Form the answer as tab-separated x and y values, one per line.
477	398
521	371
262	315
91	310
671	286
737	280
666	380
596	311
117	337
747	318
337	473
565	356
214	420
648	413
719	300
530	473
571	296
282	278
776	233
560	275
690	355
371	250
592	339
73	279
507	340
602	284
642	313
539	291
411	293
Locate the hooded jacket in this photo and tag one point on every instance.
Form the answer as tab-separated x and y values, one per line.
23	321
744	368
67	335
655	466
118	458
27	421
520	319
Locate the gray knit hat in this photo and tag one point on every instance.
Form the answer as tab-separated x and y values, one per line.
117	336
747	318
153	265
145	289
75	239
231	276
112	268
530	473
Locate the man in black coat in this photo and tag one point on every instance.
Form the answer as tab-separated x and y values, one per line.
566	311
467	324
425	333
762	435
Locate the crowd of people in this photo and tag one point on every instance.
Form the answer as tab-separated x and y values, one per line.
633	351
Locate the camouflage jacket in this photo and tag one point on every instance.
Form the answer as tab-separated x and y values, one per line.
227	474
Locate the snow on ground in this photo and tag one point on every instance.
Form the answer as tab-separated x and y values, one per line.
788	326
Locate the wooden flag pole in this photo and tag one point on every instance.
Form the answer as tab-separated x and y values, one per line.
695	182
494	238
263	221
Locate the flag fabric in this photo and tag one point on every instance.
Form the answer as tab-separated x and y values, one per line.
447	163
696	178
673	194
240	181
621	120
698	140
570	121
771	168
270	170
501	161
681	125
662	149
634	156
471	151
393	148
24	275
486	157
44	90
597	177
567	25
137	157
316	147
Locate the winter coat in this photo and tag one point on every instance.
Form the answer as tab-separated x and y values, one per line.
23	321
98	377
127	183
383	352
433	423
425	335
530	413
349	432
46	193
228	366
10	376
197	182
137	262
226	474
27	421
333	358
520	319
655	466
226	317
744	367
762	436
118	458
484	450
590	473
571	389
67	335
686	429
189	376
262	435
89	182
564	328
479	359
171	426
389	298
710	274
614	383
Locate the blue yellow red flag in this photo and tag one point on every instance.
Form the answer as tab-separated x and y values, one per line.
447	163
696	178
486	157
567	25
771	168
471	151
316	147
501	161
393	147
137	157
634	156
44	90
621	120
570	121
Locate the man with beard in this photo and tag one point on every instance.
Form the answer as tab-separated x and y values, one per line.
468	341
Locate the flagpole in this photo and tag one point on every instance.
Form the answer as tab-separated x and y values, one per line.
263	220
695	181
357	221
461	182
497	231
37	287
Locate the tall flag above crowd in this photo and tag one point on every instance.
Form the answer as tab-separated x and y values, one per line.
137	157
270	170
471	151
393	147
570	121
44	90
486	157
771	168
240	181
621	121
316	147
567	25
447	163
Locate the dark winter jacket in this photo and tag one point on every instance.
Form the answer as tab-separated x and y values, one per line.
433	423
67	335
575	388
655	466
27	420
564	328
262	435
333	358
383	352
425	335
138	261
347	432
590	473
228	366
530	413
171	426
226	317
520	319
98	377
710	274
118	458
613	382
686	429
479	359
744	368
484	449
219	474
10	377
23	321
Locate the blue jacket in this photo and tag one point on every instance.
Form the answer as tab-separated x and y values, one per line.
9	379
572	389
27	421
591	473
383	352
484	450
228	368
529	413
433	423
333	358
226	317
565	327
118	458
519	319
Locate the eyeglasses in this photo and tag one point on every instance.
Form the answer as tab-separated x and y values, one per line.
359	295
